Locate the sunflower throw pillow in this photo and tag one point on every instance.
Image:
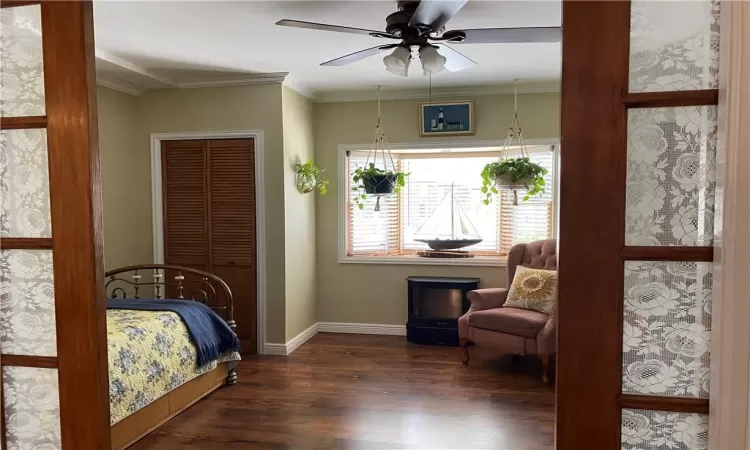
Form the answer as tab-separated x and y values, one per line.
533	289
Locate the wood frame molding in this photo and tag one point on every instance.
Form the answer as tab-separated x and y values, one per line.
674	404
705	254
44	362
26	243
157	208
75	199
671	99
19	123
595	48
729	418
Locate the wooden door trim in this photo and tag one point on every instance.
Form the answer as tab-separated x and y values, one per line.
658	403
26	243
75	201
260	209
595	48
729	418
16	3
44	362
704	254
20	123
671	99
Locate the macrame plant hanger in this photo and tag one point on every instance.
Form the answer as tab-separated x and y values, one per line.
380	145
514	132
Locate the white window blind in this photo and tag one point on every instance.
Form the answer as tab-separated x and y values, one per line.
392	230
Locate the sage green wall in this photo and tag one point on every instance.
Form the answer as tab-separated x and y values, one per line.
126	186
299	220
233	108
376	293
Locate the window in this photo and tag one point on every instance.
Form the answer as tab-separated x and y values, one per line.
436	176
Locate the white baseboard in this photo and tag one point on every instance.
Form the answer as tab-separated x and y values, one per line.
293	344
332	327
274	349
361	328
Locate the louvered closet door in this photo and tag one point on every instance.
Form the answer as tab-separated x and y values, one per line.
209	219
232	227
185	194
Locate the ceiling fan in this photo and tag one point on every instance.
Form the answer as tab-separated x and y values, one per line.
420	26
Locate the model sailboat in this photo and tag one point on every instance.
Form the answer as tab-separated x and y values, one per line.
448	228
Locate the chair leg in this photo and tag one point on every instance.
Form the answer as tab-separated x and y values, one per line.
465	347
545	367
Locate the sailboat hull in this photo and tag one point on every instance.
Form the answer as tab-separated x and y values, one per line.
449	244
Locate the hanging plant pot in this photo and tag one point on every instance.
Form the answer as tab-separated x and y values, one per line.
516	174
379	184
308	178
505	182
306	184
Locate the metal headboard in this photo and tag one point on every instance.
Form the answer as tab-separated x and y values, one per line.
203	289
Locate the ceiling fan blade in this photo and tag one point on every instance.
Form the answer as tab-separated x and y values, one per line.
326	27
455	61
511	35
356	56
435	13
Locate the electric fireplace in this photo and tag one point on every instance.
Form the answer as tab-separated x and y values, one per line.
435	304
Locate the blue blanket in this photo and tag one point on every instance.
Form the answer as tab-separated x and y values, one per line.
210	333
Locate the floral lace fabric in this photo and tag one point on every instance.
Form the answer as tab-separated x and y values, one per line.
660	430
674	46
21	69
32	408
24	184
670	176
667	328
27	304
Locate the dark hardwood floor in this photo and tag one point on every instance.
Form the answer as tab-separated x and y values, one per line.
342	391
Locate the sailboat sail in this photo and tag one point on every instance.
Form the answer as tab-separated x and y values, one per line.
449	226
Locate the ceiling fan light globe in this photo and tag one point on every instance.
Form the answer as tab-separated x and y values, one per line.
427	72
398	62
432	61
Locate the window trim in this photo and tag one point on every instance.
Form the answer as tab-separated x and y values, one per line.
342	198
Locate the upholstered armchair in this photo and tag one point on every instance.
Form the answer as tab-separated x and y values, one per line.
512	330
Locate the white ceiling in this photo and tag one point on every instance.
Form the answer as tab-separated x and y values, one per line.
155	43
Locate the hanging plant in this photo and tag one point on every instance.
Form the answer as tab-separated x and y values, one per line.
517	174
371	180
513	174
308	178
374	180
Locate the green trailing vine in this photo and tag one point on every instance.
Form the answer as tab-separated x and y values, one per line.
365	177
513	171
309	178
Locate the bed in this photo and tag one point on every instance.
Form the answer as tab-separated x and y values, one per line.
153	370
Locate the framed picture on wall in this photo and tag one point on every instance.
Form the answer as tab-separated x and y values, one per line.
446	118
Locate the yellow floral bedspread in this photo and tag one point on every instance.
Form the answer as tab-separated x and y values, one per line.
150	354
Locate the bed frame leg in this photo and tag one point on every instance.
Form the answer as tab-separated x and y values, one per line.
231	377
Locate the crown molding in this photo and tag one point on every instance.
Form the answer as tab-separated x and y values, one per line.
129	66
239	80
294	84
119	85
415	94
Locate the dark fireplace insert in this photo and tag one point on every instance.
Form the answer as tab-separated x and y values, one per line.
435	304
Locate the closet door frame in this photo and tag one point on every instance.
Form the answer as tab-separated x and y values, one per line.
157	206
76	215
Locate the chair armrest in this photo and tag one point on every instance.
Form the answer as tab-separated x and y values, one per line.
547	337
482	299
